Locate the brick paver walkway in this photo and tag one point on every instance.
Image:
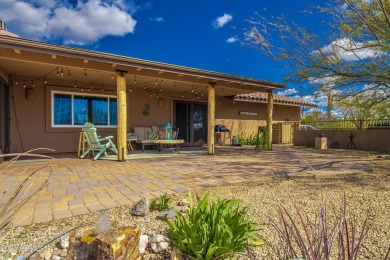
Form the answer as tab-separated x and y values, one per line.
78	186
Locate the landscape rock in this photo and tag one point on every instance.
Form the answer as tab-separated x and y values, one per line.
55	257
118	243
64	242
169	214
159	243
143	243
141	208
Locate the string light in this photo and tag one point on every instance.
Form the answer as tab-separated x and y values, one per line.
62	72
135	79
16	82
192	89
112	76
33	84
85	72
75	84
44	79
145	85
156	82
58	73
102	89
24	84
174	84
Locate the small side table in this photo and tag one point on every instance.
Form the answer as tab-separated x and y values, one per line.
131	137
82	144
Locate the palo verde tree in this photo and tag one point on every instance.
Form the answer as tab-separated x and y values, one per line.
351	57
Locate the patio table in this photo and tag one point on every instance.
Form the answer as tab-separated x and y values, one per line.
161	143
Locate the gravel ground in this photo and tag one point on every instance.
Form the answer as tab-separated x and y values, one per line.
366	193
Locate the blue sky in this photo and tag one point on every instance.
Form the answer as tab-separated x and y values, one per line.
202	34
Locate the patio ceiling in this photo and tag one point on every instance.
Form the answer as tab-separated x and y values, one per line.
29	61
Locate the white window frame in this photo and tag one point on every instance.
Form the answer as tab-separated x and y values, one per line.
73	94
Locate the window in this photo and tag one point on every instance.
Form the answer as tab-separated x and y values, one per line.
76	109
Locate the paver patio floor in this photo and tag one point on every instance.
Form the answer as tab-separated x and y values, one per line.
78	186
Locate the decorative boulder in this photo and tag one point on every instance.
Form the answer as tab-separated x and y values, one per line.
119	243
141	208
143	243
159	243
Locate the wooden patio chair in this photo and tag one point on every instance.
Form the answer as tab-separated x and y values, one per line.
97	143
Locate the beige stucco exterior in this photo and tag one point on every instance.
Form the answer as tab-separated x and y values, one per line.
367	140
32	118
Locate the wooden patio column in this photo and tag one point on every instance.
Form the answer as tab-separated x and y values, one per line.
211	118
122	115
270	108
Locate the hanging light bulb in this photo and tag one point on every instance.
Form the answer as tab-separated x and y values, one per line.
130	89
135	79
24	84
58	73
102	89
145	85
182	95
82	89
68	73
16	82
75	84
112	76
33	84
192	89
62	72
174	84
202	93
44	80
196	91
156	82
169	96
85	72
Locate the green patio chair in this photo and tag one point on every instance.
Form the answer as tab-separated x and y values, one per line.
97	143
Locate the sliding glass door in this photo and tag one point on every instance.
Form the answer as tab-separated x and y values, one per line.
191	119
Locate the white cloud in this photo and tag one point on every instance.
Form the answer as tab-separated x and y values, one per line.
222	20
231	40
157	19
85	23
288	92
348	50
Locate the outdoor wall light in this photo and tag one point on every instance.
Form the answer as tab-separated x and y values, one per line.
161	102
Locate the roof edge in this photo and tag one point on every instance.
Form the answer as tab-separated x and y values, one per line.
49	48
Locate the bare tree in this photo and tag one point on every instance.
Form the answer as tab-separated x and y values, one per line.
353	56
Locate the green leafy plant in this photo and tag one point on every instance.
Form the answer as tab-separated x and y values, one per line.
309	144
215	231
251	139
160	204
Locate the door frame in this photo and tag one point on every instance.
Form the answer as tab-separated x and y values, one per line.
4	118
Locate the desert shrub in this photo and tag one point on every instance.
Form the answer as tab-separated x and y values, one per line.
251	139
214	231
160	204
326	238
309	144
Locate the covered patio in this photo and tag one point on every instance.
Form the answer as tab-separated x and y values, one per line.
36	73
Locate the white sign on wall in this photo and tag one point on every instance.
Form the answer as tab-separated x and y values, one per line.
242	113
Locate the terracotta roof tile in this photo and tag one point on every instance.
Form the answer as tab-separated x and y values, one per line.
262	97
